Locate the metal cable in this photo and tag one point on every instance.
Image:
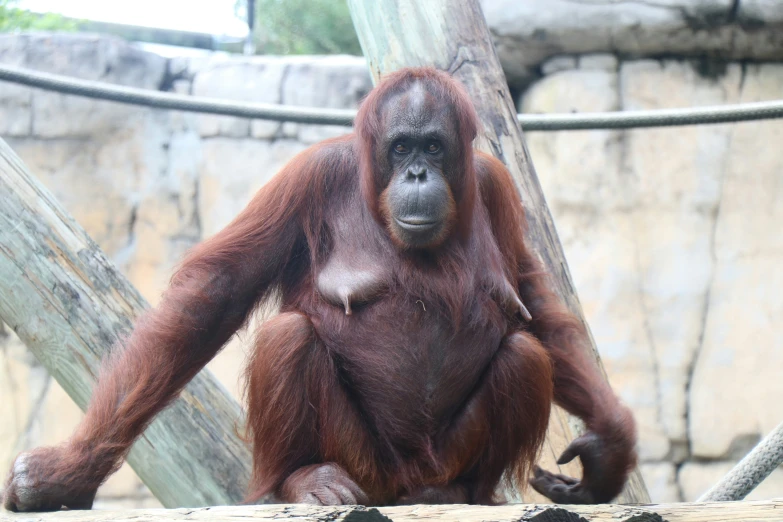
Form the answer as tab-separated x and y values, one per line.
657	118
750	471
268	111
164	100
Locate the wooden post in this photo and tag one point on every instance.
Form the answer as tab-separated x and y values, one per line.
452	35
69	305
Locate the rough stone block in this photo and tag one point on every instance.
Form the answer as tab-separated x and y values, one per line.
232	171
581	174
89	57
753	166
13	49
661	482
760	13
736	383
697	478
97	198
94	57
256	79
690	177
577	168
736	386
15	114
165	219
637	216
15	100
337	82
557	64
603	256
528	33
602	61
674	264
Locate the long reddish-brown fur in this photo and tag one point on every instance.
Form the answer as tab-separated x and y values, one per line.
323	389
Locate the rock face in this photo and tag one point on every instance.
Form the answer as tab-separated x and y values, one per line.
672	235
671	238
531	31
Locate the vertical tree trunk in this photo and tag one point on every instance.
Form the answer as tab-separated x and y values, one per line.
452	35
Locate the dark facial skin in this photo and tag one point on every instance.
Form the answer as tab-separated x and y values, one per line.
419	145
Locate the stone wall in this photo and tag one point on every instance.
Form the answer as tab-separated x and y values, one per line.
529	32
672	235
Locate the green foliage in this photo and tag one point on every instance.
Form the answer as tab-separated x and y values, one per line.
305	27
12	18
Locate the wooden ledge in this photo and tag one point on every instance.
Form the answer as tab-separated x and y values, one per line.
759	511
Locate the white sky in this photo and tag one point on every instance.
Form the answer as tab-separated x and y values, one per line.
211	16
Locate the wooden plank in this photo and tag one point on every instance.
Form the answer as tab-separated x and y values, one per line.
452	35
68	304
760	511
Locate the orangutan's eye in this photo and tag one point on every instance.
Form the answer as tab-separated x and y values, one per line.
433	147
400	148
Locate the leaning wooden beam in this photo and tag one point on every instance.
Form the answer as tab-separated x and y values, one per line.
452	35
68	304
762	511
